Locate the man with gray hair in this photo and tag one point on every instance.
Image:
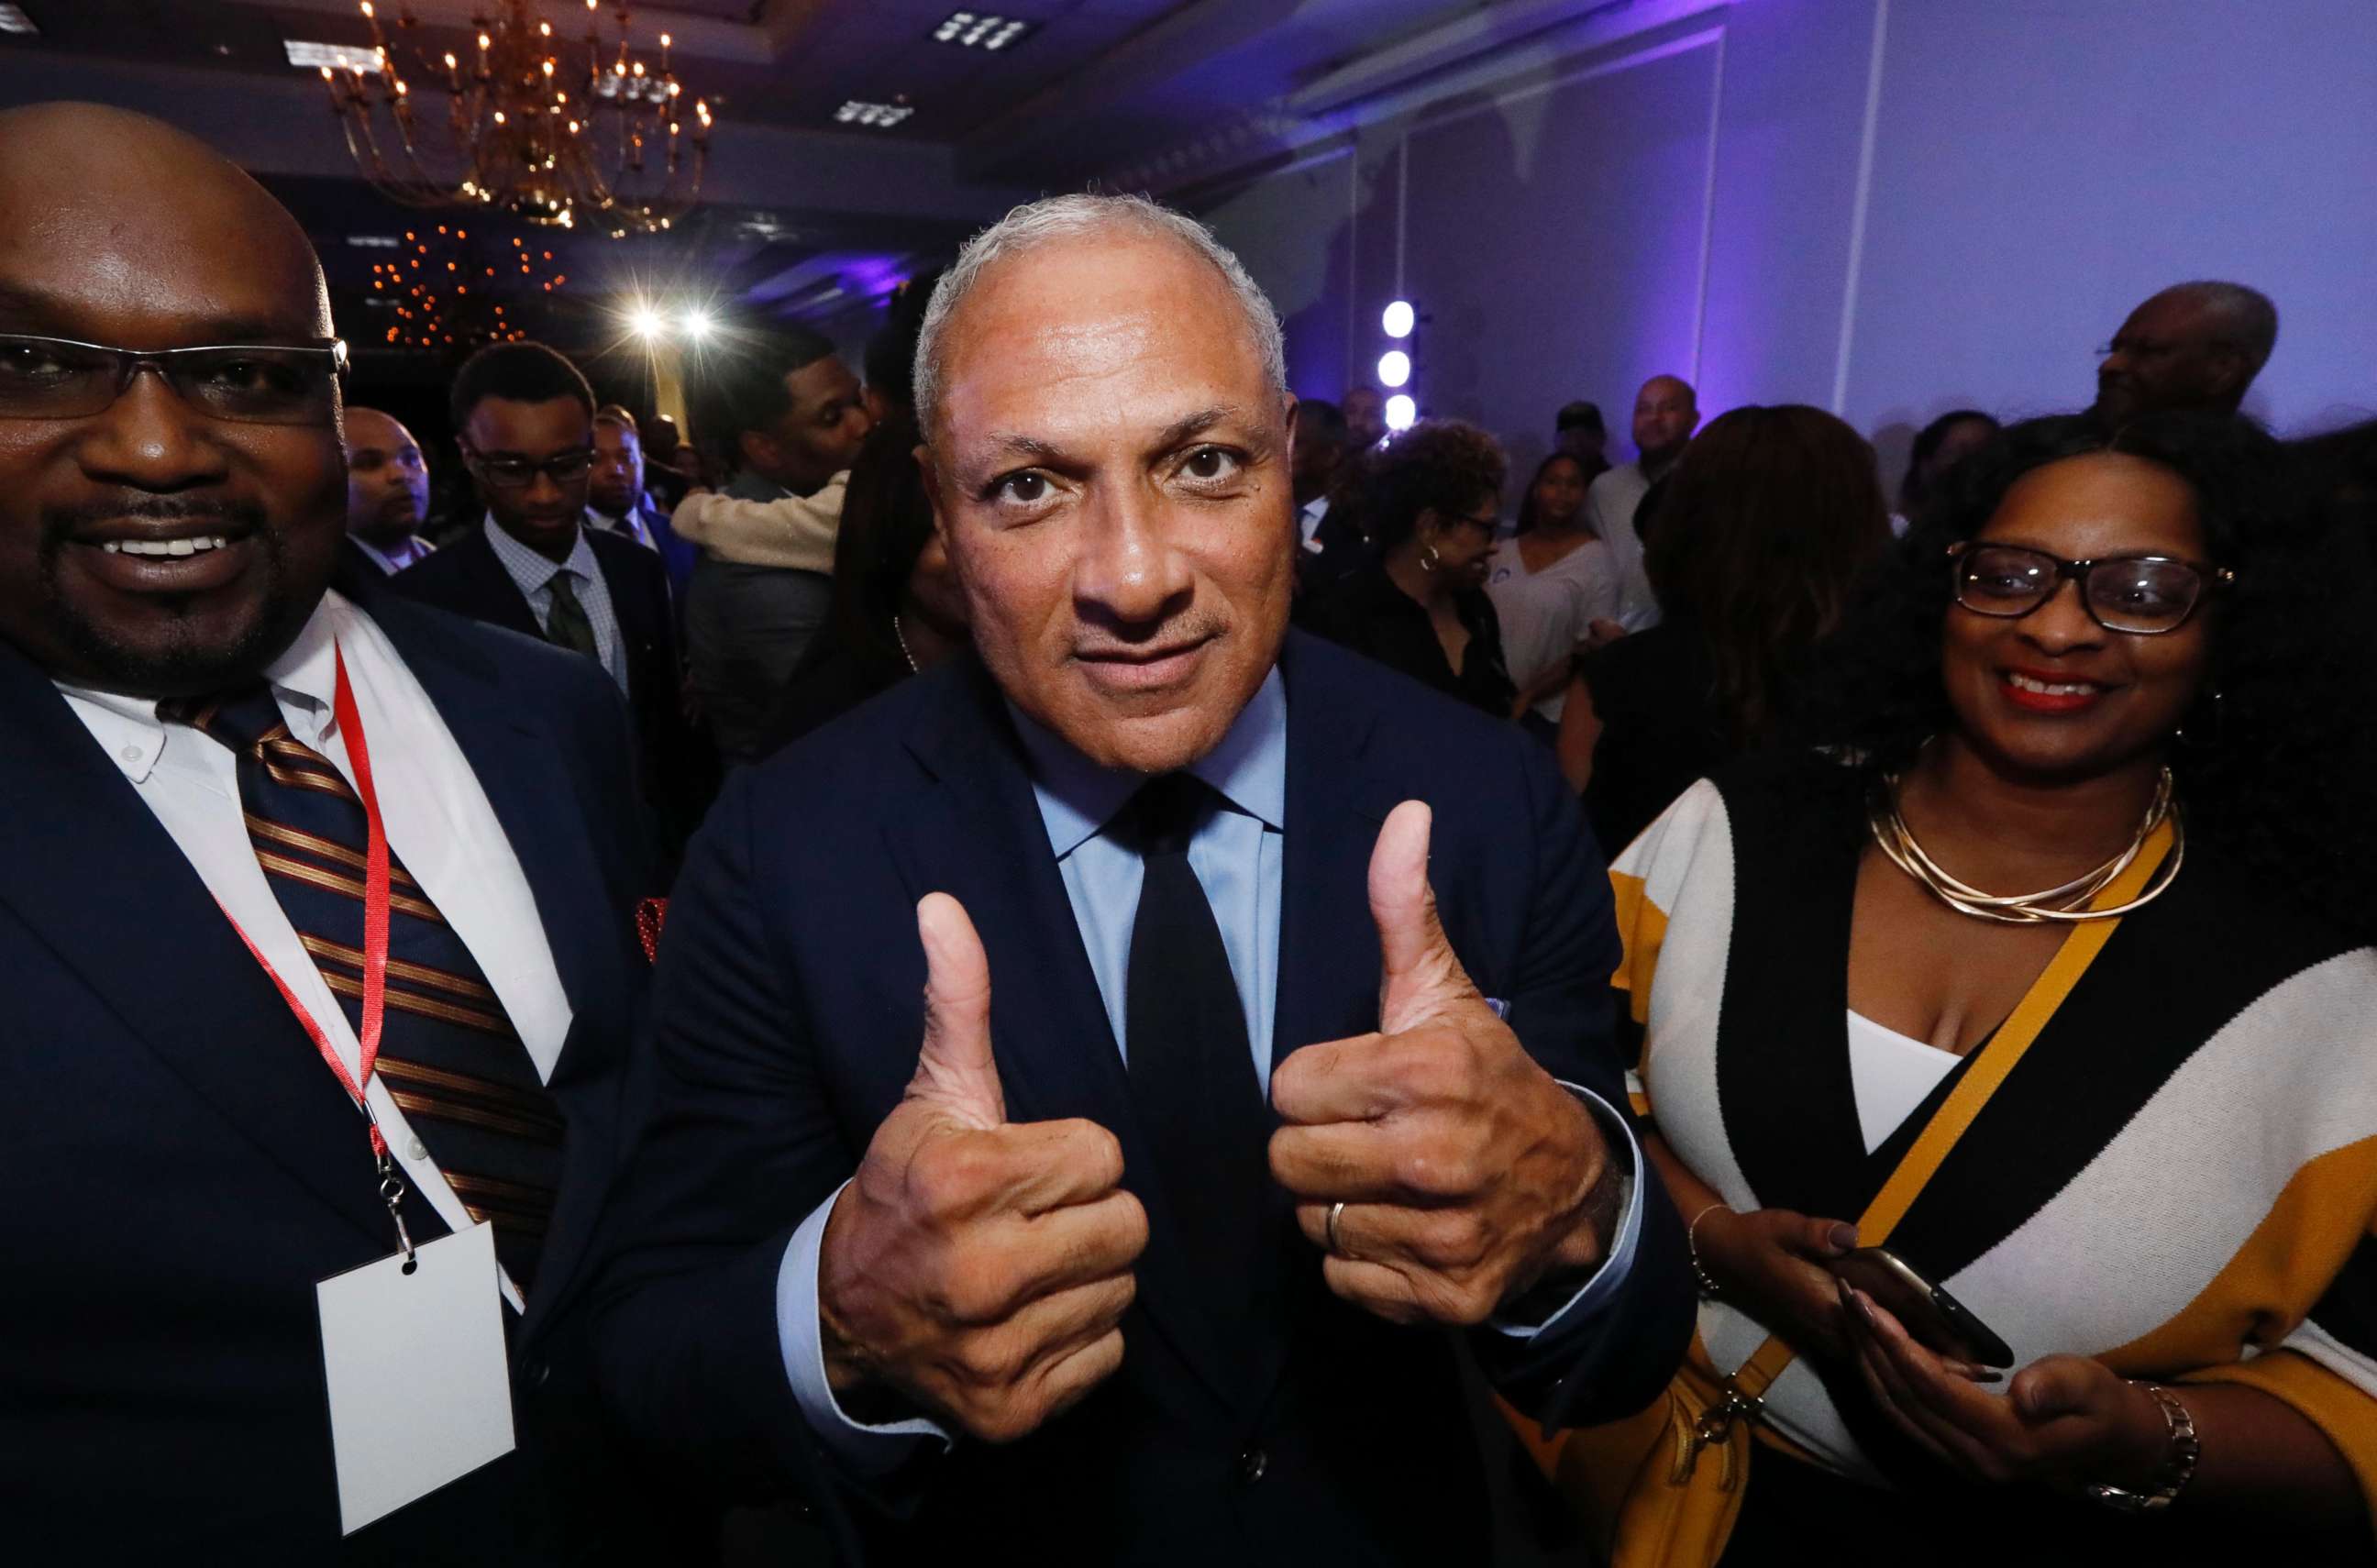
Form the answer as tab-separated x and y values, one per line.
1083	1117
2193	346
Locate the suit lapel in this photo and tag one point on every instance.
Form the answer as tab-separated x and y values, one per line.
524	773
979	838
87	866
1328	945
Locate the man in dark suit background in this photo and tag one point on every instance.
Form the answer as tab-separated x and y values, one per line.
525	422
1133	1240
183	1167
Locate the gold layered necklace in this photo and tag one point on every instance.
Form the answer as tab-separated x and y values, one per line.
2068	902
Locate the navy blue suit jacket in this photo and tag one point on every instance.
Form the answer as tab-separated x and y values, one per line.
787	1013
467	578
180	1168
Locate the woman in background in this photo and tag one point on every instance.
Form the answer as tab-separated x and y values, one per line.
1429	502
1938	447
1549	582
897	607
1769	523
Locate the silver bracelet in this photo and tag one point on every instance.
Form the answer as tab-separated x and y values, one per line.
2177	1467
1692	1247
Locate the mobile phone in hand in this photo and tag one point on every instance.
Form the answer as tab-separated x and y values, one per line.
1935	1319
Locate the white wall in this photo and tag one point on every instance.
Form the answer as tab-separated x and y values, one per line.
1885	207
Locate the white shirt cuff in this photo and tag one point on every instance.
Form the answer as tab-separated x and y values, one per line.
1610	1277
864	1450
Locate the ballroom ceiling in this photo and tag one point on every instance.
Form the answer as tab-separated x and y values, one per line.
803	215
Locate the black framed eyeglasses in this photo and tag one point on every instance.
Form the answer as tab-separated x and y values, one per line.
2143	596
518	473
245	383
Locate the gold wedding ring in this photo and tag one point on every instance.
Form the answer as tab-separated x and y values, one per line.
1336	1212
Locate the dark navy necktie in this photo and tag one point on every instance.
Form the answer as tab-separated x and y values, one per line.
448	1054
1192	1079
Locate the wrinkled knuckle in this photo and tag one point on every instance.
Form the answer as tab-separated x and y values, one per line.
1005	1420
1467	1301
948	1174
1130	1224
991	1361
976	1287
1436	1166
1468	1239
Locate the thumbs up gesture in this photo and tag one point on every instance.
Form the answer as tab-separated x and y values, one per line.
1458	1171
973	1268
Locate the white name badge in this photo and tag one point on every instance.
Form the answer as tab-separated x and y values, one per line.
420	1390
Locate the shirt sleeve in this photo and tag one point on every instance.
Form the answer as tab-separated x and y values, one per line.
864	1449
1609	1278
797	531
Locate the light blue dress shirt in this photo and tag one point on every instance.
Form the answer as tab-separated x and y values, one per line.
534	575
1236	857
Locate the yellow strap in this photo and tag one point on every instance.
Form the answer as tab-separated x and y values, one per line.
1963	1103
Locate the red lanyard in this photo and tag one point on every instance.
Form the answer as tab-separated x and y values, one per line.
376	881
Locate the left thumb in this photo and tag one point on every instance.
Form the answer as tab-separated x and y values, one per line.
1419	974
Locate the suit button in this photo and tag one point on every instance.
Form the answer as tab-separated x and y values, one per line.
1251	1465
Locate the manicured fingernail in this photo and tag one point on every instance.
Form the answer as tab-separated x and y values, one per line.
1865	1310
1844	1237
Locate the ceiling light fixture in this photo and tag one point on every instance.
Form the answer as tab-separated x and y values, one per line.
13	19
881	115
311	57
525	127
980	30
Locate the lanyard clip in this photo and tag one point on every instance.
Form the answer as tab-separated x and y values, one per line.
391	1193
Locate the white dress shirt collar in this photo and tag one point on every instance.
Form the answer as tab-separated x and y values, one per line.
305	674
533	571
1248	769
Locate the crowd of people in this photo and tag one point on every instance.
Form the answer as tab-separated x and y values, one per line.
1848	1011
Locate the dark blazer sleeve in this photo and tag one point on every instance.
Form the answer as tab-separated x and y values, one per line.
686	1327
1614	1361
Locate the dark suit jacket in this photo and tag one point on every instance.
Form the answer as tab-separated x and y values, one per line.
787	1015
466	577
181	1168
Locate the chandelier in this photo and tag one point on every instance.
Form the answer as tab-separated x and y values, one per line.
526	129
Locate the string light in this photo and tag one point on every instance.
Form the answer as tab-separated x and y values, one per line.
433	317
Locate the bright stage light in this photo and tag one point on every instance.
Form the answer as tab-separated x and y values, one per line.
646	322
1399	318
696	324
1394	368
1402	413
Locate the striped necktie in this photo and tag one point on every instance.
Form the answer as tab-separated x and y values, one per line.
448	1054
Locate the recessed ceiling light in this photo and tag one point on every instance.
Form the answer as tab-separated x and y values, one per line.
881	115
334	56
13	19
981	30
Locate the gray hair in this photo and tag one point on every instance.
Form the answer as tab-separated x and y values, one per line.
1069	217
2247	320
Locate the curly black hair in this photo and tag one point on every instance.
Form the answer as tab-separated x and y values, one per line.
1440	465
2272	762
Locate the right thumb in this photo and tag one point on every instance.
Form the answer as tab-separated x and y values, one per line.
954	1067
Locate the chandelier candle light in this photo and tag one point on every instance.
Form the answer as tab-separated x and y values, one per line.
528	132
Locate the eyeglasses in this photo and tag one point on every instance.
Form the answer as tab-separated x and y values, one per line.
246	383
2143	596
1490	522
518	473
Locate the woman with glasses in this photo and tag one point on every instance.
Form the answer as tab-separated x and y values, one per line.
1430	501
2092	798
